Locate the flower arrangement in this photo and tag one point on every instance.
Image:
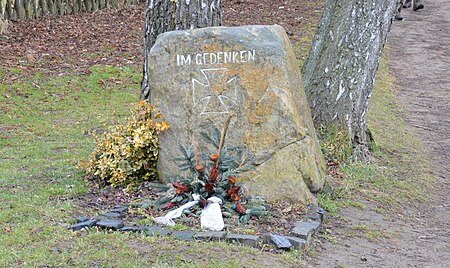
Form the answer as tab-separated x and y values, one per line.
215	174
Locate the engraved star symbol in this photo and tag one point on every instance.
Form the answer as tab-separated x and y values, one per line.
217	94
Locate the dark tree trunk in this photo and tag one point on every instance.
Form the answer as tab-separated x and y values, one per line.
32	9
168	15
340	70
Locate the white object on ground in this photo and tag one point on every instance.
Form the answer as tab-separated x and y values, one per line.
176	213
211	218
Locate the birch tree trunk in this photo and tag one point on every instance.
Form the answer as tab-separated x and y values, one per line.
168	15
31	9
340	70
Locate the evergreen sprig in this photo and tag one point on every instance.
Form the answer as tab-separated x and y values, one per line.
216	178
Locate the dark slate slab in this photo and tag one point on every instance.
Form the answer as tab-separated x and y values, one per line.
156	230
315	213
305	230
112	215
312	216
134	229
280	242
82	219
209	236
120	209
183	235
248	240
81	225
110	224
297	243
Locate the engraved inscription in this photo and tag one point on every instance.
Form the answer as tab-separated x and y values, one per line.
216	93
216	58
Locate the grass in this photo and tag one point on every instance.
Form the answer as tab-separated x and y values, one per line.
45	125
399	173
369	233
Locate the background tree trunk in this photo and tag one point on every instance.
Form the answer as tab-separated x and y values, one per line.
168	15
32	9
340	70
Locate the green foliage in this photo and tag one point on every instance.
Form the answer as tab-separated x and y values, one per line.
216	178
231	162
127	154
335	145
328	203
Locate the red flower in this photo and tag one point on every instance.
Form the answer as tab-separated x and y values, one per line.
213	175
214	157
240	208
231	180
168	205
180	188
209	187
235	197
202	203
233	190
199	168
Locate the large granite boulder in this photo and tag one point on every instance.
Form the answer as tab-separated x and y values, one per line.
199	78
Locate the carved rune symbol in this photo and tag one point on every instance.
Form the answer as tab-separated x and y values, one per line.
216	94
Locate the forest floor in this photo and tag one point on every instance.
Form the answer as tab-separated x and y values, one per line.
389	221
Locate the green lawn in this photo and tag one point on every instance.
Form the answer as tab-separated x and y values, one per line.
45	126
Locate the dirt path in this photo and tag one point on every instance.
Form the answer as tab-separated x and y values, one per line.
420	59
422	45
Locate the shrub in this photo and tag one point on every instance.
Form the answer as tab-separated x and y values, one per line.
127	154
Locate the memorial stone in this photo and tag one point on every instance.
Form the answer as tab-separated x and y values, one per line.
201	78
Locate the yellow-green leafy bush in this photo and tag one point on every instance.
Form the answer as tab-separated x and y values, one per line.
127	154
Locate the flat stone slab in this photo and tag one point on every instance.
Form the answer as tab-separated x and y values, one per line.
134	229
110	224
183	235
312	216
209	236
297	243
248	240
280	242
119	209
305	230
111	215
81	225
314	213
157	230
201	78
82	219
